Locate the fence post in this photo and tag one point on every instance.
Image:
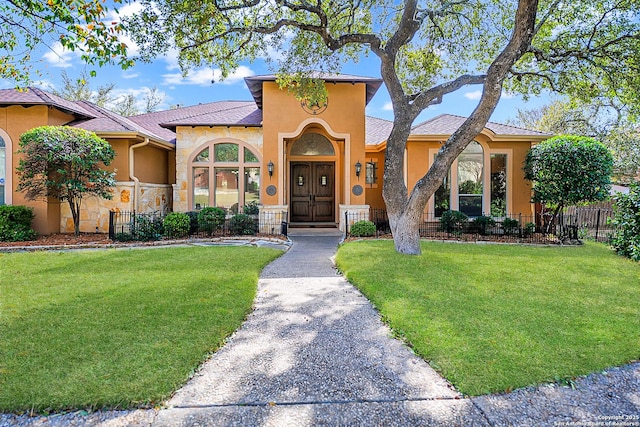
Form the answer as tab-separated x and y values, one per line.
597	224
111	225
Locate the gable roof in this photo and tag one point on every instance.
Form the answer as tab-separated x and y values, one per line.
105	121
446	124
34	96
373	84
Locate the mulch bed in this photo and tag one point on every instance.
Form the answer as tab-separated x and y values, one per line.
63	240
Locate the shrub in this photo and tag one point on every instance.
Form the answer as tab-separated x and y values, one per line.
177	225
510	226
124	237
251	208
453	221
15	223
242	225
211	219
626	217
481	223
147	227
363	228
529	229
193	224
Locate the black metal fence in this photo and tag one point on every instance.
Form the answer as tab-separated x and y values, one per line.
136	226
576	223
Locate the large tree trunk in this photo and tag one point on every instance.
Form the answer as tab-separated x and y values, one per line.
405	228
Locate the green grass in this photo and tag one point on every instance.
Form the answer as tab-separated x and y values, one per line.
116	328
492	318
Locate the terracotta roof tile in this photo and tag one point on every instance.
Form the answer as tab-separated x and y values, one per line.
35	96
377	130
108	121
446	124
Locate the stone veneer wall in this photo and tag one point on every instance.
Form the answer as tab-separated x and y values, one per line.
94	213
354	213
189	139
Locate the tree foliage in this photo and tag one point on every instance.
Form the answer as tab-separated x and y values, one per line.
626	238
567	170
65	163
600	120
426	50
80	89
75	25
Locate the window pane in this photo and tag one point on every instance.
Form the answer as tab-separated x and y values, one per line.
203	156
470	205
227	188
371	173
200	188
226	152
498	184
249	157
442	197
312	144
251	185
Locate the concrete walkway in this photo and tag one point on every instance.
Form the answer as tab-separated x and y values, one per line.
314	352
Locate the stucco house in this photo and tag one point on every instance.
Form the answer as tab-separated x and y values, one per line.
312	163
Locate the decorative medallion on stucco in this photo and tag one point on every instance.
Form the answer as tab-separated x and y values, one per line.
314	108
357	190
272	190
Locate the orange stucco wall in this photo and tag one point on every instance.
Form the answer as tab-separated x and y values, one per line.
373	192
15	120
344	116
151	165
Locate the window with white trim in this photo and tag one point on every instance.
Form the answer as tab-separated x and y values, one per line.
225	175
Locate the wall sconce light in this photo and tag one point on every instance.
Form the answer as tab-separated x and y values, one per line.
270	168
358	169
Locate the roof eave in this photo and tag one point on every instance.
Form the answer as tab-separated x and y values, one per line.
135	135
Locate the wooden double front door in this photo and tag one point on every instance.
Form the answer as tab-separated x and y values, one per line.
312	192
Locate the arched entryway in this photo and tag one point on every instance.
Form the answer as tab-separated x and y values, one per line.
312	180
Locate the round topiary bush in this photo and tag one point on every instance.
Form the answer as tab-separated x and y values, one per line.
363	229
453	221
242	225
211	219
177	225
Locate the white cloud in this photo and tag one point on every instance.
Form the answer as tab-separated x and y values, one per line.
473	95
171	57
206	76
120	95
387	106
58	56
130	75
507	95
128	9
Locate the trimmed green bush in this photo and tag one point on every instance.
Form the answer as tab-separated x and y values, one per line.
177	225
193	218
251	208
453	221
481	223
363	229
15	223
626	211
529	229
211	219
148	227
510	226
242	225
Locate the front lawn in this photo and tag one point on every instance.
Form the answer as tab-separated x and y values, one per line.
116	328
492	318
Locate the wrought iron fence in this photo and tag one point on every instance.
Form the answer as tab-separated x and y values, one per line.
136	226
579	223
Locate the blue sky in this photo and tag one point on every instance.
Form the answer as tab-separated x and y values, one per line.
196	87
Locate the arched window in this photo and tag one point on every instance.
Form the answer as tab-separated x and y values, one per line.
226	175
3	170
312	144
